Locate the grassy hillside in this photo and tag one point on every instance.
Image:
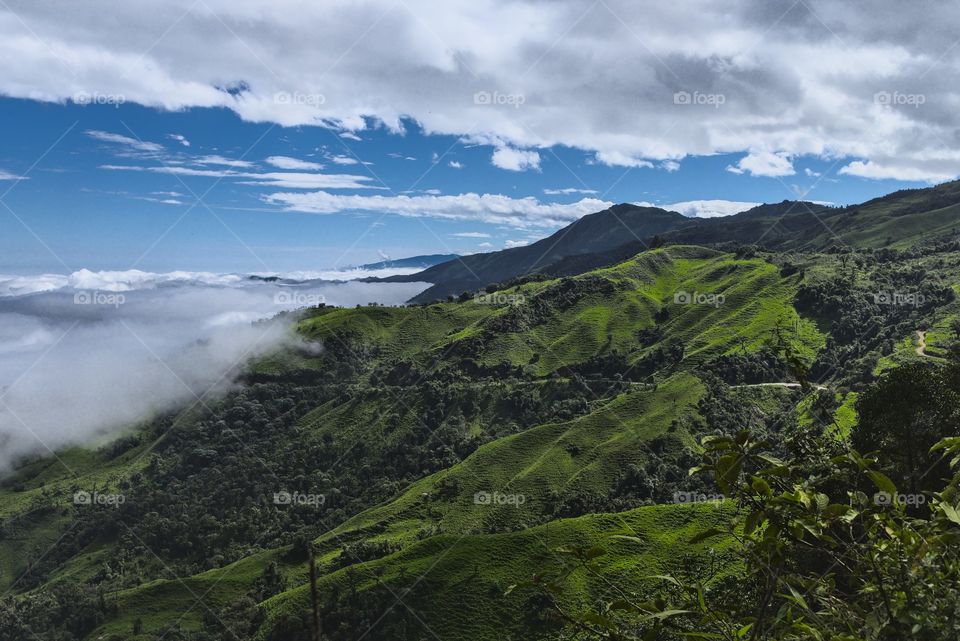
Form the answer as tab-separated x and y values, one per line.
456	446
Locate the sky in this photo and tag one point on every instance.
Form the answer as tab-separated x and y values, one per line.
237	136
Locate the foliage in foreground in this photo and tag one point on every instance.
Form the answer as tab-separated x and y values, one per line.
833	547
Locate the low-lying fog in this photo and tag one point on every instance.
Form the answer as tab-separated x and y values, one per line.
90	353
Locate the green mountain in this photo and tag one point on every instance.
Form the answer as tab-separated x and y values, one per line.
898	220
593	233
440	460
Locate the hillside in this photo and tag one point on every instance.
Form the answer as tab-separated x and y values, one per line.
447	452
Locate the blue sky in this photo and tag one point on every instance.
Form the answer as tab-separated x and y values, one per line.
76	207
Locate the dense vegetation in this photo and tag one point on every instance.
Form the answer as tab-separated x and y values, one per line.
517	466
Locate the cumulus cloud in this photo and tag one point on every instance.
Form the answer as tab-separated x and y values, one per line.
137	344
764	163
490	208
515	243
455	164
629	83
507	157
620	158
344	160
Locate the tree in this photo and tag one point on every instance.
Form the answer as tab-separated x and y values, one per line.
901	417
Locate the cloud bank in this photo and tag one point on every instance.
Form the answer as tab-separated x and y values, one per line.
636	84
113	348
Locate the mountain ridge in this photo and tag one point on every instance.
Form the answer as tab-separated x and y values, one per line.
625	229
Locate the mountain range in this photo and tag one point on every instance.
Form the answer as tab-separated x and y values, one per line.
897	220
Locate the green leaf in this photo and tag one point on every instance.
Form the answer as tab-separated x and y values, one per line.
760	486
666	614
950	512
882	481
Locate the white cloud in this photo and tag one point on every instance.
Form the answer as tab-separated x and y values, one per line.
283	180
350	136
764	163
485	245
286	162
344	160
811	173
515	243
6	175
507	157
707	208
568	190
455	164
220	160
900	169
490	208
179	138
621	159
804	81
118	139
470	234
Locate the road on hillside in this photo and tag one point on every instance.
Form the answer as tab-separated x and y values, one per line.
818	387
